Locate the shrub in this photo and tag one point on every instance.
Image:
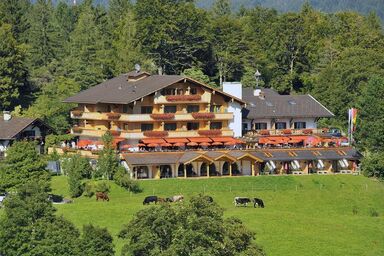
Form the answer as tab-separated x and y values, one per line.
373	212
89	189
355	210
102	186
123	179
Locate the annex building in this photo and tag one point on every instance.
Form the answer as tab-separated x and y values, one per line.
173	126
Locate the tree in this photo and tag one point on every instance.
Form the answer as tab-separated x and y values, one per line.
77	168
23	165
96	241
108	161
49	106
371	116
29	226
373	165
13	71
15	14
194	228
198	75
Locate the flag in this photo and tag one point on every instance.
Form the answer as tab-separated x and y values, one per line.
354	118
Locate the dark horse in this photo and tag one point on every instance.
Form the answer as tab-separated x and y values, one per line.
101	195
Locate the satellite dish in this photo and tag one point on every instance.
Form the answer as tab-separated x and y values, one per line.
137	68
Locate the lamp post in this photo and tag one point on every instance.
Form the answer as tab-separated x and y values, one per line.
257	77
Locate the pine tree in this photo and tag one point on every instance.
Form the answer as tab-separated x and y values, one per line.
13	71
15	13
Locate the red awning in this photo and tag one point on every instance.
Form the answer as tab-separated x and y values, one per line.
166	145
222	139
205	144
83	143
152	141
141	145
230	143
199	139
192	144
177	140
152	145
217	143
117	141
294	141
179	144
263	140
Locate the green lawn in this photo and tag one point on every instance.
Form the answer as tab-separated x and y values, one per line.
308	215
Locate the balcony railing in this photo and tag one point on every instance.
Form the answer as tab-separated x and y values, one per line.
306	131
147	117
139	135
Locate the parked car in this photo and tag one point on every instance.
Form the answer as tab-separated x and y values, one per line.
335	132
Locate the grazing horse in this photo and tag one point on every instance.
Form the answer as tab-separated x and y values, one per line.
241	201
150	199
101	195
258	202
177	198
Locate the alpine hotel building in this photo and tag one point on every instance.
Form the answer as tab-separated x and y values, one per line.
173	126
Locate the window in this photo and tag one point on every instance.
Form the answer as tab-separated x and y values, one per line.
109	108
168	91
281	125
146	127
216	126
125	108
126	127
170	109
192	126
215	108
146	109
193	90
300	125
170	127
30	133
193	108
260	126
245	126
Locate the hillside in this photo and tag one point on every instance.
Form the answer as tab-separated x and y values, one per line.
331	6
309	215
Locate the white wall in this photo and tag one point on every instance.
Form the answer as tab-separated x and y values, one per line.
233	88
310	122
4	144
236	122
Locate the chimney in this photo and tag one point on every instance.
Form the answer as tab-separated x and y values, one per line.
7	115
262	95
256	92
233	88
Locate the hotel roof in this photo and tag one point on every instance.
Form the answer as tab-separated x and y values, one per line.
274	105
11	128
120	90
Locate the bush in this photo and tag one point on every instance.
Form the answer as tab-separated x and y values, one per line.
102	186
123	179
89	189
373	212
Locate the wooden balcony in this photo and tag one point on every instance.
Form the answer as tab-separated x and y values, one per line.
145	117
286	132
178	99
139	135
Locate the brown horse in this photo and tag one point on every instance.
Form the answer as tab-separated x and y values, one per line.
101	195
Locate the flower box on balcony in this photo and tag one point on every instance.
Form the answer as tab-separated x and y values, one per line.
166	116
77	113
113	116
264	132
193	97
68	150
210	132
287	131
115	132
77	129
325	130
203	115
155	133
307	131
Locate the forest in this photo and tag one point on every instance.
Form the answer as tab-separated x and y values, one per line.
49	52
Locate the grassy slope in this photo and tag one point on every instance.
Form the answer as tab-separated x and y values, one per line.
309	215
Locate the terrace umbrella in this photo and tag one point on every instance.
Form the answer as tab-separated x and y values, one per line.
140	145
205	144
230	143
193	144
166	145
152	145
83	143
217	144
179	144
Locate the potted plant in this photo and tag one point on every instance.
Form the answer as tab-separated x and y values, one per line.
287	131
173	98
264	132
77	112
307	131
203	115
165	116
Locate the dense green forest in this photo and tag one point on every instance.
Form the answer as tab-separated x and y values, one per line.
48	52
